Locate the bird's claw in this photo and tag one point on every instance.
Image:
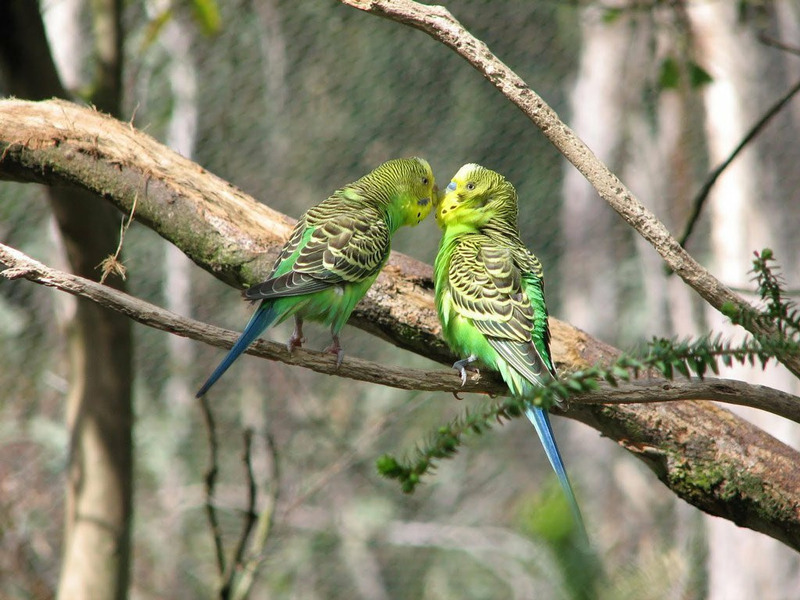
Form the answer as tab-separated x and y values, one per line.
462	366
339	352
295	342
336	348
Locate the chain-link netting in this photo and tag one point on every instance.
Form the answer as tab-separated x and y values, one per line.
290	100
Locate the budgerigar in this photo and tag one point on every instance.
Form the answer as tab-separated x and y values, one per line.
490	295
334	254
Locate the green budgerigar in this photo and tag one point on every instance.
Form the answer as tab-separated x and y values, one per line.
335	253
490	295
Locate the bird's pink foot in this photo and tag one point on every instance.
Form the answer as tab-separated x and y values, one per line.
296	340
336	348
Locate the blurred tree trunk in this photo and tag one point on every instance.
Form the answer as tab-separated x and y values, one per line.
588	287
99	416
178	392
742	206
590	251
647	144
658	167
603	279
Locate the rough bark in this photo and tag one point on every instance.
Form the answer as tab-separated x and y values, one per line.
706	455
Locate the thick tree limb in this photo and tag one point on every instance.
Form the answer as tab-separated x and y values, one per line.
217	225
437	22
708	456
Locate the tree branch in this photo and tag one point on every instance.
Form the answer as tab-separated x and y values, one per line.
700	198
211	483
22	266
237	562
713	459
218	226
641	391
437	22
242	584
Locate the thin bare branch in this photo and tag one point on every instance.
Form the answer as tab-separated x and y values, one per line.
250	513
237	562
699	200
242	585
728	391
768	40
148	314
642	391
210	483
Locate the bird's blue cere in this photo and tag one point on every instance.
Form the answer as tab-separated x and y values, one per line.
451	186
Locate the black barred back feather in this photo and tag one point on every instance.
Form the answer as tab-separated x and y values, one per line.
347	237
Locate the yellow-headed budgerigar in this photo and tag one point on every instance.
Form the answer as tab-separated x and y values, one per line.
490	295
335	252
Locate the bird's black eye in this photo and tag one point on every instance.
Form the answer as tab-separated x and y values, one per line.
424	181
470	186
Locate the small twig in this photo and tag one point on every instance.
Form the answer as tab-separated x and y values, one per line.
210	483
112	264
700	199
768	40
249	515
241	587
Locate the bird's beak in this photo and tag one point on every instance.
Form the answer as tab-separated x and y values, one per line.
451	186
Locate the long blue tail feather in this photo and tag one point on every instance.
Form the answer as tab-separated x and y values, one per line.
263	317
541	420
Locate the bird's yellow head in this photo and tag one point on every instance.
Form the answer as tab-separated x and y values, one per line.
412	178
475	196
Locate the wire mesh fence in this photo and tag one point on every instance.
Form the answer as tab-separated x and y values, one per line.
290	100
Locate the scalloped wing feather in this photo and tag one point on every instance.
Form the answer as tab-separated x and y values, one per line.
335	243
488	286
